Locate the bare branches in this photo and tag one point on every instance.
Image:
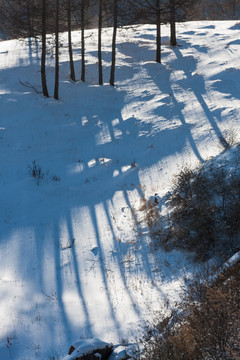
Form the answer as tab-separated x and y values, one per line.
30	86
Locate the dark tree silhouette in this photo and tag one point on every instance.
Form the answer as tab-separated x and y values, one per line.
173	40
43	55
83	3
100	19
158	23
69	25
115	25
56	87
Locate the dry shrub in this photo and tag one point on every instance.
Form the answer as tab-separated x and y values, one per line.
152	216
204	209
206	324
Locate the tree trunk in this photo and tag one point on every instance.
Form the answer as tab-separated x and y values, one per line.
43	57
158	22
72	71
115	24
56	52
83	40
29	22
100	75
234	9
173	40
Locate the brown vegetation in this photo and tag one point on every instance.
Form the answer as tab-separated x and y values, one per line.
206	325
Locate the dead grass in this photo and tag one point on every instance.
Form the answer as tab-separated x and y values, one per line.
203	212
205	325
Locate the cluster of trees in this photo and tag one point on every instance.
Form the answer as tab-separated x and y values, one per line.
30	18
216	10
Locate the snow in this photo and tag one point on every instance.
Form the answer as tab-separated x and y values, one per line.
121	352
76	262
233	260
84	347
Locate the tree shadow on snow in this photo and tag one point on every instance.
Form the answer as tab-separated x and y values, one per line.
77	230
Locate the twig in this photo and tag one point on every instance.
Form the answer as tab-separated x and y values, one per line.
51	297
28	85
68	246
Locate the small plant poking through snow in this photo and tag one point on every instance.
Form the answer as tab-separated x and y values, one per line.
36	171
134	164
56	178
9	345
229	138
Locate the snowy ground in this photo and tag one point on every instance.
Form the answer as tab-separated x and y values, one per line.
75	262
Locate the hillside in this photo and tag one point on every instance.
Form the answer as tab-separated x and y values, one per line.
75	260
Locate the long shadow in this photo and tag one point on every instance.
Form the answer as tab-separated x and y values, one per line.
109	134
33	50
87	323
30	51
162	81
145	249
198	87
187	128
119	255
59	284
235	27
123	125
96	225
226	84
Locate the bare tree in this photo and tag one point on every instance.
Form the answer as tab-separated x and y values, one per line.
83	3
56	87
69	25
43	56
173	40
100	19
179	10
234	9
115	25
20	18
158	23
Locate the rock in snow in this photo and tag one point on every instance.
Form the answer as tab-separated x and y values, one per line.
89	349
93	349
121	352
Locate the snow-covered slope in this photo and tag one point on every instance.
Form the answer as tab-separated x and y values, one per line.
75	261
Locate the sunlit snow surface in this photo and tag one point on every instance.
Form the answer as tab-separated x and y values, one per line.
75	261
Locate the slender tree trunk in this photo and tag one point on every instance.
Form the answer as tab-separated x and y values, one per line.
173	40
43	57
56	52
100	75
158	22
30	34
234	9
115	24
72	71
83	39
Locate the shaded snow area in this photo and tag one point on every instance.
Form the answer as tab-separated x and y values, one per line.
75	261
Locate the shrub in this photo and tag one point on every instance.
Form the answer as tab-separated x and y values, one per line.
205	325
203	212
152	216
36	171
